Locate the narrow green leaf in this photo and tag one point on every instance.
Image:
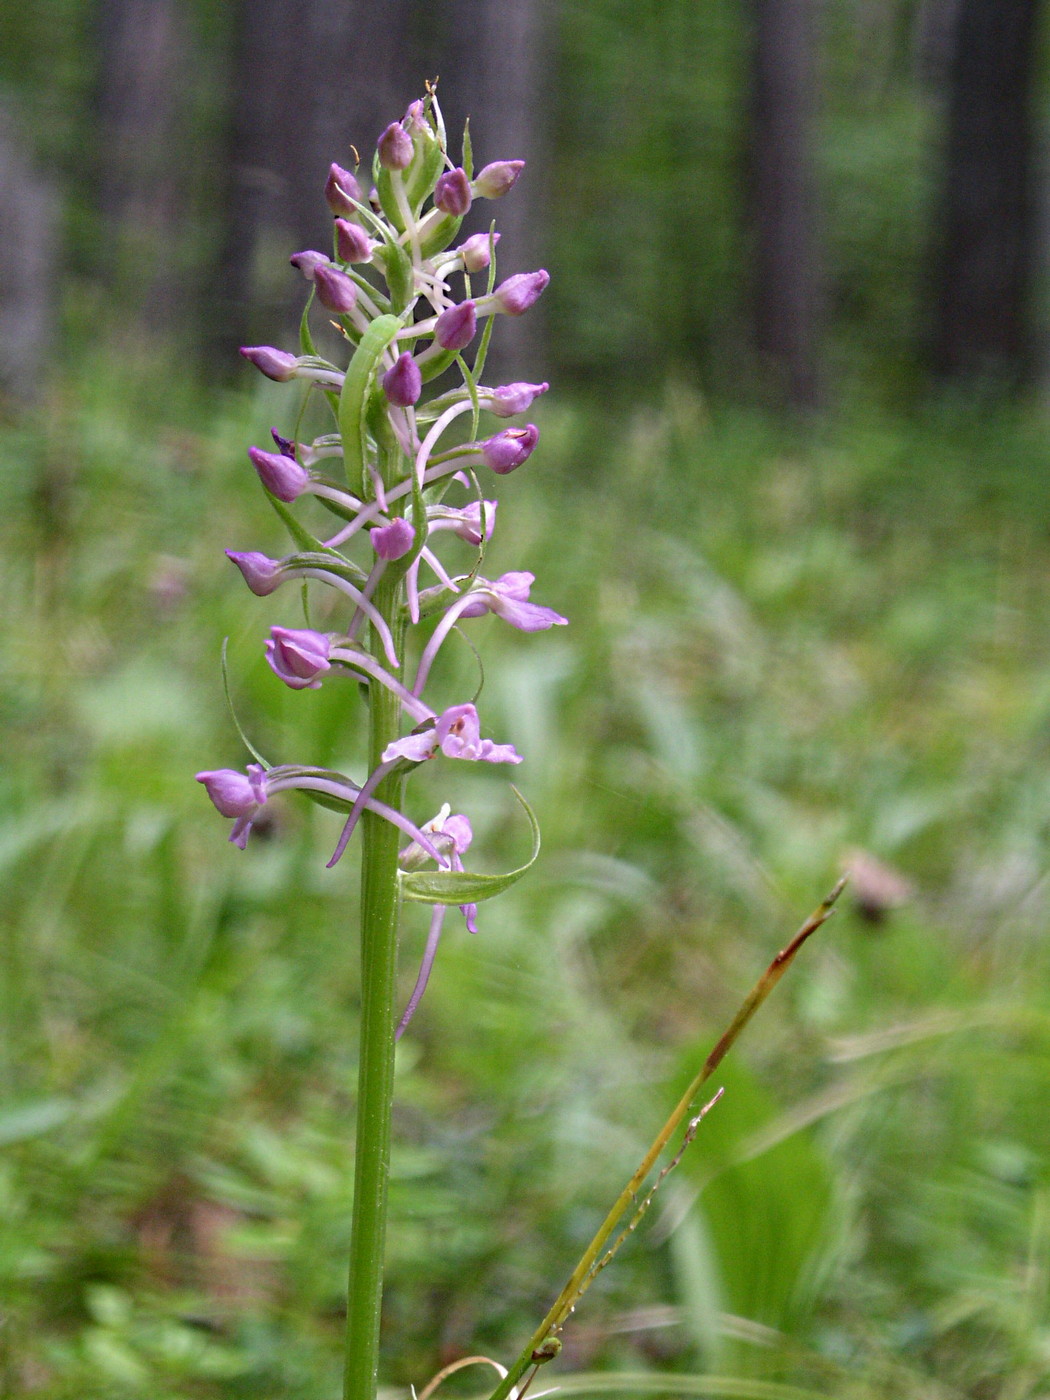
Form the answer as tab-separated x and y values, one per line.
462	886
233	713
359	376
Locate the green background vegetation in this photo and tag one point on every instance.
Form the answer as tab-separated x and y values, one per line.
788	641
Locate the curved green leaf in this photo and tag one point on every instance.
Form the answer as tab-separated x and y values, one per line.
463	886
359	376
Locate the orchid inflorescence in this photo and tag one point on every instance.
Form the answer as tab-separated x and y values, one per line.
388	285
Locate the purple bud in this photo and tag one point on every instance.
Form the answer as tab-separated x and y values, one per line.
308	262
261	574
340	188
275	364
353	243
452	193
395	148
235	794
475	251
404	383
298	656
457	326
393	540
416	115
519	292
284	445
509	399
336	290
499	177
282	475
508	449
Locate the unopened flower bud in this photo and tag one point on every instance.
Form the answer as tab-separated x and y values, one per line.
509	399
281	474
456	327
499	177
394	540
452	193
353	243
519	292
340	190
275	364
475	251
404	383
507	450
298	656
335	290
395	148
308	262
261	574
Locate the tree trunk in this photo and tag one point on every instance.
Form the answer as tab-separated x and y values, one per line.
788	300
983	264
310	77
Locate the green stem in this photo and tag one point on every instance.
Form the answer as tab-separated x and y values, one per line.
534	1351
379	927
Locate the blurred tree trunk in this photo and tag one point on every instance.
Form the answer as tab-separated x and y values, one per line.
142	63
787	289
308	77
983	261
29	223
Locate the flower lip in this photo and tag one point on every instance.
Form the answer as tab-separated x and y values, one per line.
508	598
298	656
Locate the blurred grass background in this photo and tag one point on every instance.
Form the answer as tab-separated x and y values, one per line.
796	643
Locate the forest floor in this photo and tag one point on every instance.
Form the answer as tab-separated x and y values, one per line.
789	651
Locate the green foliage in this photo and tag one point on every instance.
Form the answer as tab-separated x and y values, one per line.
779	649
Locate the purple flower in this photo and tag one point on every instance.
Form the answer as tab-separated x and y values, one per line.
280	473
496	179
261	574
464	521
275	364
298	656
475	251
308	262
518	293
452	193
395	148
506	451
236	795
353	244
456	327
394	540
284	445
340	189
404	383
509	399
457	734
507	597
335	289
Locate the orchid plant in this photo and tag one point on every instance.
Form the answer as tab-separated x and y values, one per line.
412	520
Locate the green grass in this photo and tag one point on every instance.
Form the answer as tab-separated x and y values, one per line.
784	646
